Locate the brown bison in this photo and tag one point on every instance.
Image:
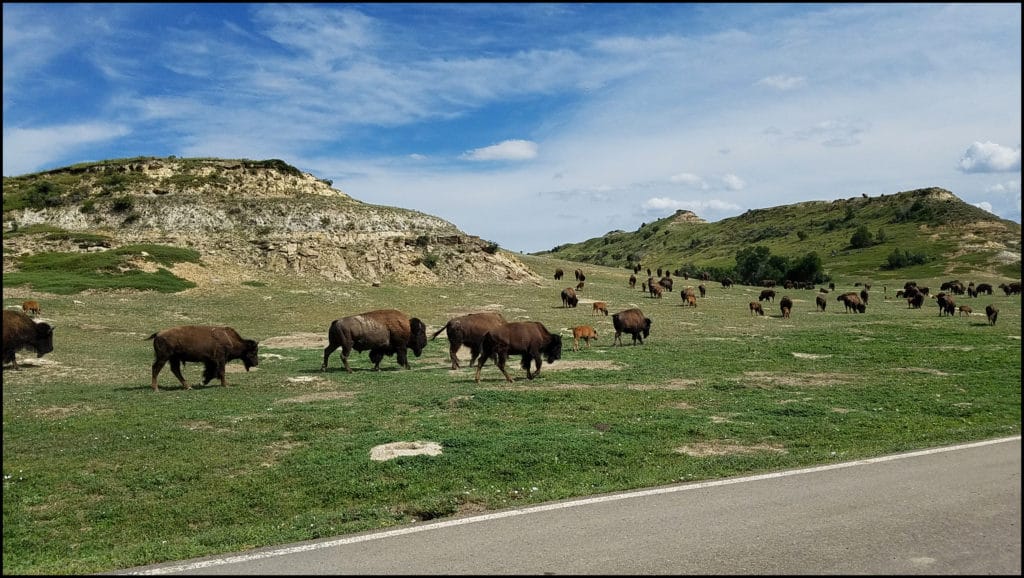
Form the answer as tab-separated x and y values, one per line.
991	312
786	305
852	302
632	281
689	299
383	332
600	306
726	282
655	290
31	307
633	322
666	282
985	288
820	301
1010	288
965	309
212	346
579	286
755	308
703	290
469	330
915	301
558	274
946	304
767	295
21	332
529	338
584	332
569	298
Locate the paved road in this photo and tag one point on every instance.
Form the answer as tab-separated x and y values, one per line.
953	510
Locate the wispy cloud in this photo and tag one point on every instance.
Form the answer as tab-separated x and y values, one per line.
782	82
509	150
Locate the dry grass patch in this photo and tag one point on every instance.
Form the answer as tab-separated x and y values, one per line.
671	384
811	355
300	340
318	396
61	412
769	379
927	370
703	450
566	365
390	451
273	452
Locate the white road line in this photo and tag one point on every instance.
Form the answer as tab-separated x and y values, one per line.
190	566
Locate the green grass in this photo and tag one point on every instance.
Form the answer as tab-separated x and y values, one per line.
101	473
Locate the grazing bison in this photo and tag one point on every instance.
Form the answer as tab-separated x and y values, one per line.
383	332
915	301
584	332
703	290
820	301
767	295
853	302
558	274
666	282
755	307
985	288
689	299
529	338
31	307
655	290
965	309
864	296
600	306
469	330
632	281
569	298
212	346
1010	288
726	282
21	332
579	286
946	304
633	322
786	305
991	312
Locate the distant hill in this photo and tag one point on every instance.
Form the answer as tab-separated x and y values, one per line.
959	239
242	217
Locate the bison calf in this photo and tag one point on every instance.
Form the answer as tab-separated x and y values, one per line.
212	346
31	307
584	332
21	332
755	308
600	306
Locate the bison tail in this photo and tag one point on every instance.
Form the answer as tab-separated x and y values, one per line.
150	337
438	332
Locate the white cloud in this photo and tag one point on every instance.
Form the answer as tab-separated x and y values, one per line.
1007	187
733	183
989	157
984	206
510	150
28	150
782	82
689	179
709	210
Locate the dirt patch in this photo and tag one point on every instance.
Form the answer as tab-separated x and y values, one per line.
398	449
318	396
811	355
565	365
273	452
296	341
61	412
671	384
769	379
203	425
702	450
927	370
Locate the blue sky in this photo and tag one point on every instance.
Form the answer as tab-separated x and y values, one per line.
533	125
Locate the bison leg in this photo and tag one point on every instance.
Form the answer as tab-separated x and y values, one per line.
453	353
176	370
10	357
376	356
500	358
402	354
331	347
344	357
157	366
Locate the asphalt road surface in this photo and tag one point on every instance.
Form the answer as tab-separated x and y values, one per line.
953	510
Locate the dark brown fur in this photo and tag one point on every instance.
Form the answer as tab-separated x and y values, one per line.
209	345
755	308
633	322
767	295
820	301
786	305
569	298
382	332
852	302
21	332
469	330
992	313
527	338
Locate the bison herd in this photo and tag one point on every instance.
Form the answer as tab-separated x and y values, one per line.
488	335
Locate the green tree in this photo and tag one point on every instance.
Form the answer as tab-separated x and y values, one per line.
861	238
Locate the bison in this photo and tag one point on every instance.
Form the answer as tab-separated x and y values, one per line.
786	305
469	330
21	332
210	345
852	302
529	338
666	283
767	295
569	298
991	312
703	290
947	306
584	332
755	308
600	306
965	309
632	281
633	322
655	290
1010	288
558	274
31	307
383	332
985	288
820	301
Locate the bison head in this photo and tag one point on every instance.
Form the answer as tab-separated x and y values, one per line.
647	328
418	339
553	350
250	357
43	342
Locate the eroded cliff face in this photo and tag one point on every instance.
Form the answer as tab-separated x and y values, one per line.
265	217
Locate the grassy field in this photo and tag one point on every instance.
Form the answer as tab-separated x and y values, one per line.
101	473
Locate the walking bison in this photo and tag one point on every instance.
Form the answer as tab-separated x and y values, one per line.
584	332
21	332
382	332
213	346
633	322
527	338
469	330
